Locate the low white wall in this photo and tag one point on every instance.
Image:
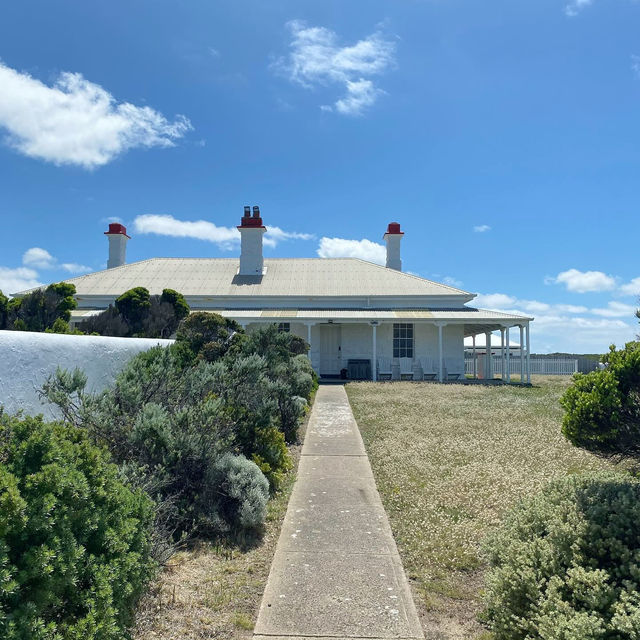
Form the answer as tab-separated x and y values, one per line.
27	359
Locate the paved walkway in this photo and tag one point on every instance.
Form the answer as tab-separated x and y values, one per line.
336	572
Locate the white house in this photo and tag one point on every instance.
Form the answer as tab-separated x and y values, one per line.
361	319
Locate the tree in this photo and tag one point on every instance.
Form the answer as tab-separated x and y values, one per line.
177	302
4	310
39	310
133	305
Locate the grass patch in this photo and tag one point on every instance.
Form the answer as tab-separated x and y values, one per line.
449	460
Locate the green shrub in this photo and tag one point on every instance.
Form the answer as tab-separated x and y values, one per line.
236	497
136	313
74	540
602	408
565	564
207	334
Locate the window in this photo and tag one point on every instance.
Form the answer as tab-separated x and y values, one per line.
284	327
402	340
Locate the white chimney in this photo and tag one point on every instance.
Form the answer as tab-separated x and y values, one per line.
118	239
251	232
392	237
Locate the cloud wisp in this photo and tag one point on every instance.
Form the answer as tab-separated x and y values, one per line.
576	6
482	228
344	248
77	122
226	238
316	59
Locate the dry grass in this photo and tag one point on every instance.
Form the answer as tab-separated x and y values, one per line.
449	460
214	591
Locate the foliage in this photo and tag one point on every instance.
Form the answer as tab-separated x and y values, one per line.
291	379
134	305
4	310
40	309
137	313
565	563
236	496
173	415
74	540
208	335
603	407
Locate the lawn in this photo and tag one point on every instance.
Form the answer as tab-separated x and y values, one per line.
449	460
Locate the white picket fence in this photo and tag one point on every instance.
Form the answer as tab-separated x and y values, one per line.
542	366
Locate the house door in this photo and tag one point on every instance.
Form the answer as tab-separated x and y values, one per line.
330	352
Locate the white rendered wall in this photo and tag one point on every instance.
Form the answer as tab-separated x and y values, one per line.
251	260
27	359
117	250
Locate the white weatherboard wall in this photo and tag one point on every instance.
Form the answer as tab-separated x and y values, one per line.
27	359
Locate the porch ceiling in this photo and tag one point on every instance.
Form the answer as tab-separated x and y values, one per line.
474	320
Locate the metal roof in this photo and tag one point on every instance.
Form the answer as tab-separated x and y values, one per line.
304	277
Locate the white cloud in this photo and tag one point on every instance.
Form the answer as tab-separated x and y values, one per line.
74	267
493	301
631	288
226	238
19	279
560	327
616	310
481	228
575	6
317	59
585	281
343	248
38	258
76	121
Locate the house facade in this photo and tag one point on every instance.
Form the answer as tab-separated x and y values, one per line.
361	320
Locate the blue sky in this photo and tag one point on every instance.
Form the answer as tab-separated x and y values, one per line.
502	135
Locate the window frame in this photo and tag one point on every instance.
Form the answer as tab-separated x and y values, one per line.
403	340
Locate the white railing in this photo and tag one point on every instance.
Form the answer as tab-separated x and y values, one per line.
541	366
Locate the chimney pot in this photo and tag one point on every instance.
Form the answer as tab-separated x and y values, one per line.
256	212
247	212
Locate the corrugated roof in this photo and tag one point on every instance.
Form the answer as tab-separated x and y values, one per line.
312	277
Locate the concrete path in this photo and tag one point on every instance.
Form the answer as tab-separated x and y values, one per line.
336	572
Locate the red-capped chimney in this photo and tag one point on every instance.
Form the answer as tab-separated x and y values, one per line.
251	232
392	237
118	239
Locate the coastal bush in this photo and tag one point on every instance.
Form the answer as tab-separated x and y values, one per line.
40	309
236	496
564	565
74	540
137	313
602	408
